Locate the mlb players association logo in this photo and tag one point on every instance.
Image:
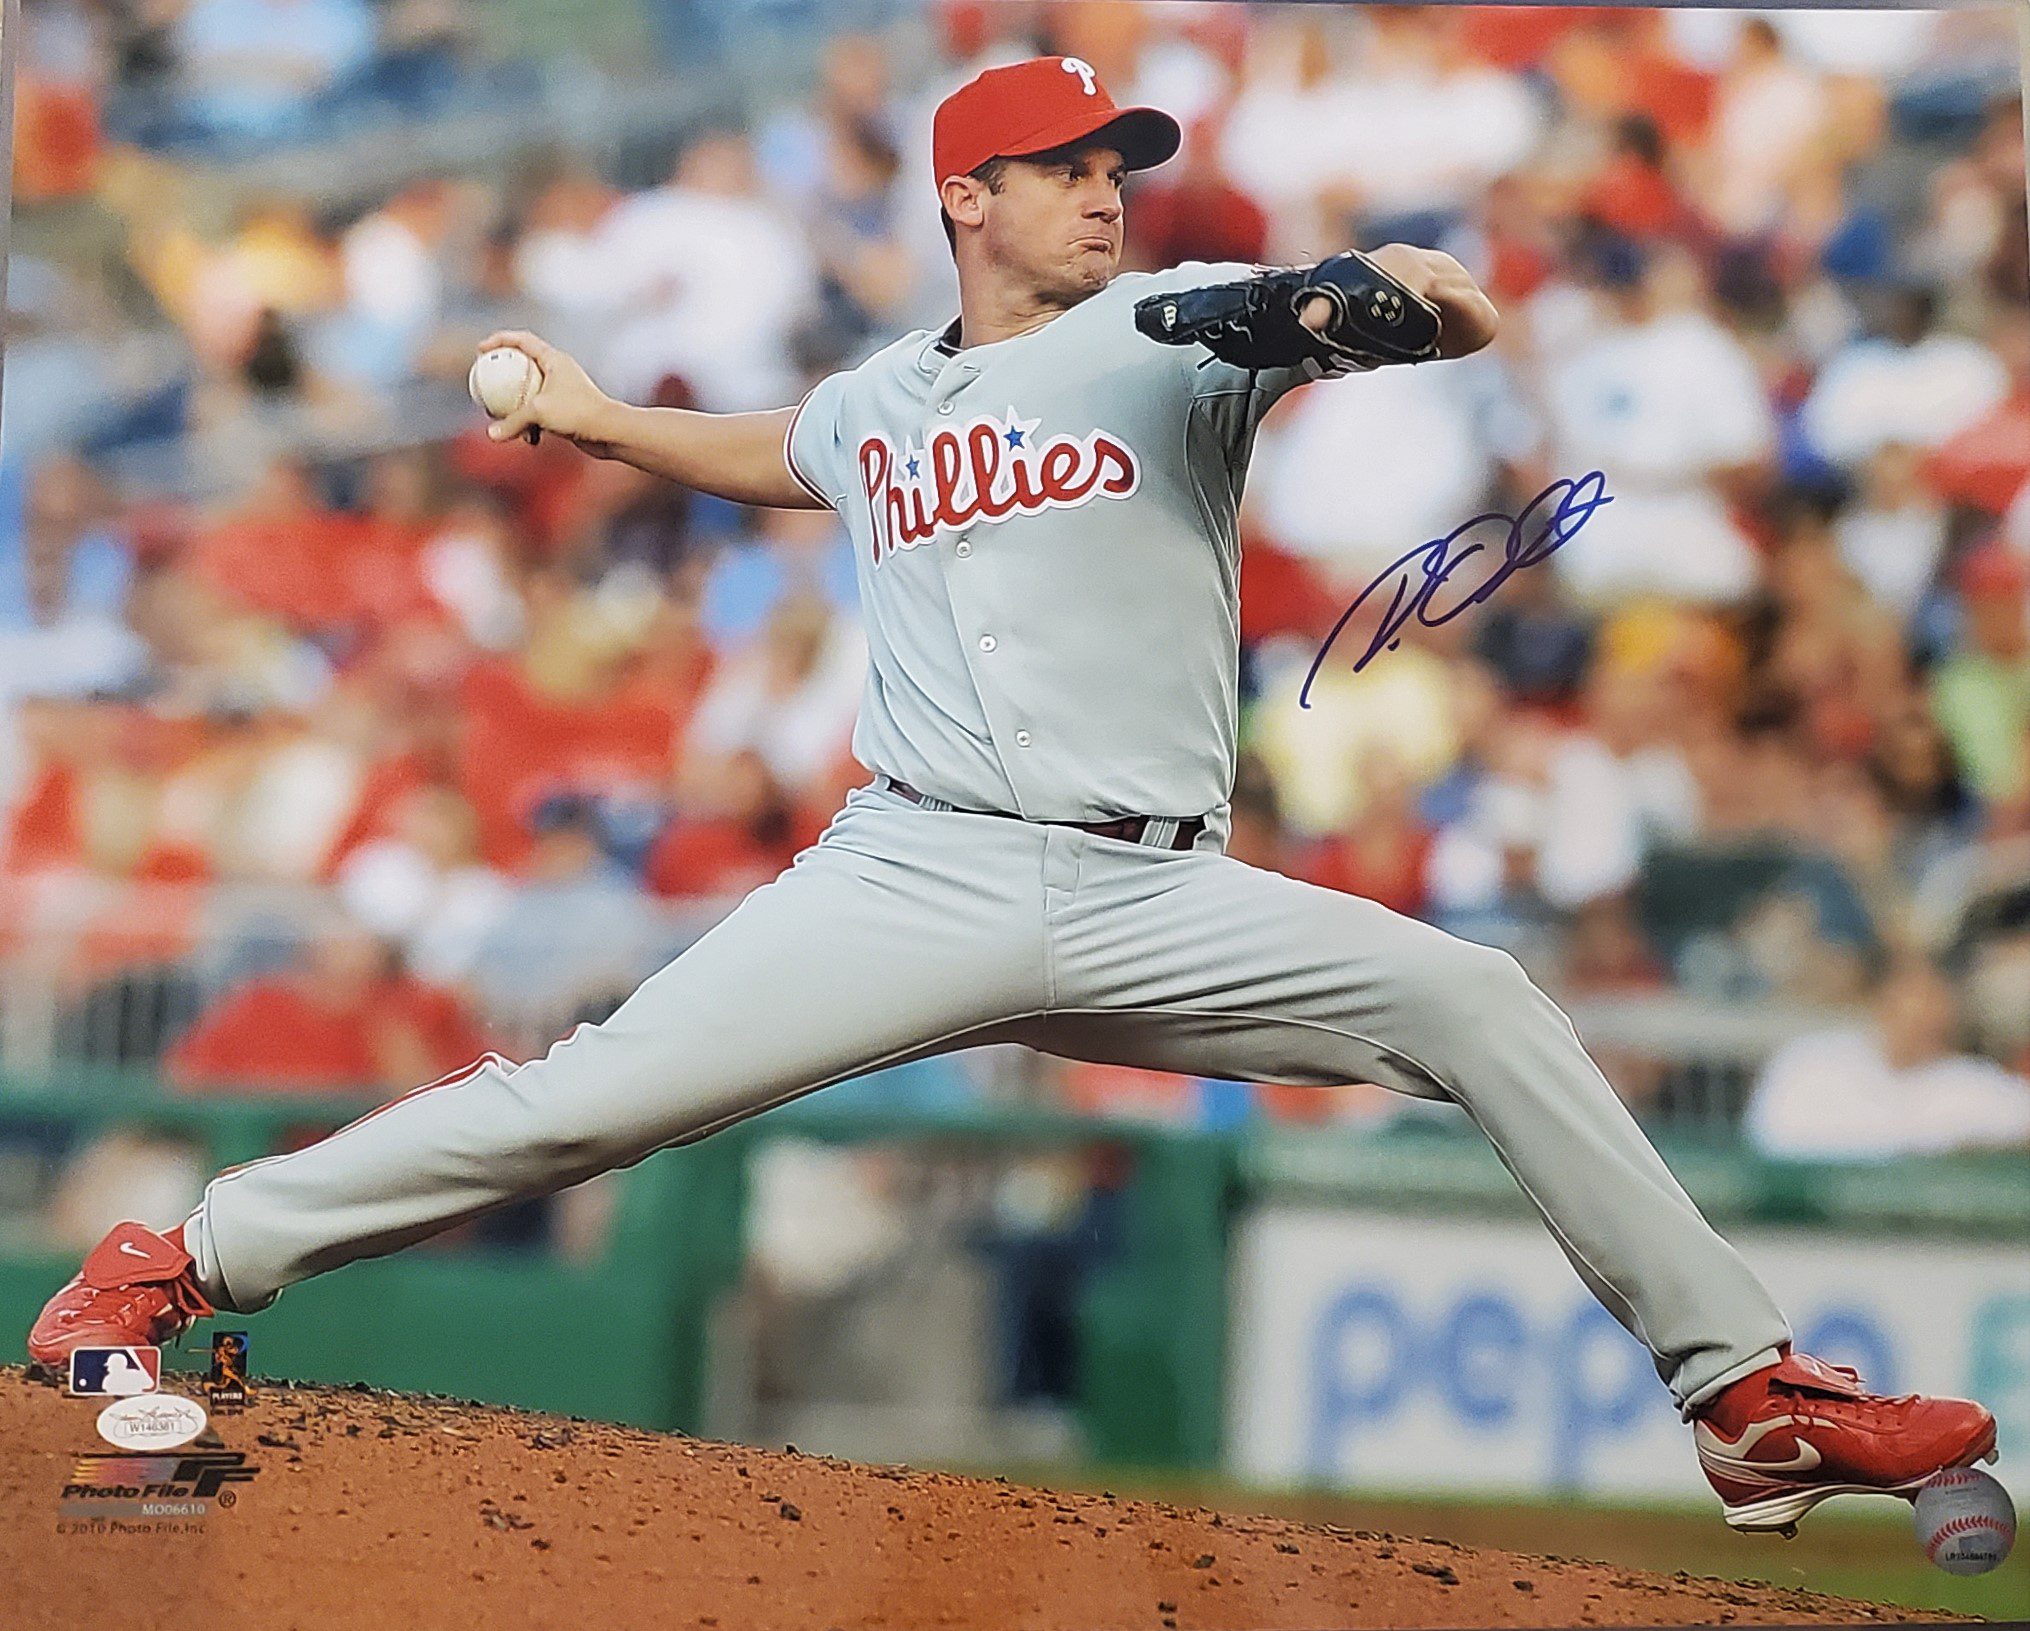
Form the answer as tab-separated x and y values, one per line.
114	1373
986	470
226	1385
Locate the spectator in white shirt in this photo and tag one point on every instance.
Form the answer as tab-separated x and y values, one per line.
1405	120
1892	1086
1668	404
1892	539
1436	125
1905	383
1768	115
705	278
1178	67
557	262
1614	791
422	883
792	697
393	263
1281	144
1878	45
392	271
1414	428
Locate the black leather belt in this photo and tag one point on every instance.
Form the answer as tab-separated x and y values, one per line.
1129	828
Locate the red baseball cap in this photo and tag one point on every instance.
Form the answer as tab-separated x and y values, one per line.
1033	106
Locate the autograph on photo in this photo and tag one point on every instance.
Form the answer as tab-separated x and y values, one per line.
1575	502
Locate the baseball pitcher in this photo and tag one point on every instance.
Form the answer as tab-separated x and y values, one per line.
1042	501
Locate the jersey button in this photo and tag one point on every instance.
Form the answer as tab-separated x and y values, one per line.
964	548
1022	739
944	407
988	642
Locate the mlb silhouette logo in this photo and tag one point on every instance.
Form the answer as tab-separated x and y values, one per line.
114	1372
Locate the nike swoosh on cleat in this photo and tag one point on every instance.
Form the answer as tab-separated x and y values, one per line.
131	1249
1731	1457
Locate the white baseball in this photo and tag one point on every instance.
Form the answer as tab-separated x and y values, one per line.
1966	1522
502	379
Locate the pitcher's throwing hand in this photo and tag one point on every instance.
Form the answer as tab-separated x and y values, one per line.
565	402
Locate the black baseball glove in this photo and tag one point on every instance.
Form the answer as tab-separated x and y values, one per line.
1254	323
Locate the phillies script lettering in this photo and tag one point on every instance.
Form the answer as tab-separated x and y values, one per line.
986	470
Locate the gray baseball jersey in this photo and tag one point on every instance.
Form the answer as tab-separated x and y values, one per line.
1048	555
1048	549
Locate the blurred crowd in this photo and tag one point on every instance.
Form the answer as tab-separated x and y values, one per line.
1760	735
232	78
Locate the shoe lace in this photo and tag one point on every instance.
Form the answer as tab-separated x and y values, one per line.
180	1297
1868	1409
187	1299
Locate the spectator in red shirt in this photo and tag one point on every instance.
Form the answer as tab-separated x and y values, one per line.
58	140
1518	37
348	1019
1283	593
1624	61
542	485
1986	465
1632	191
584	704
1519	242
744	834
1197	213
284	552
1385	851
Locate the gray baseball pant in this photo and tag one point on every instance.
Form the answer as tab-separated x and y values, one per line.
910	931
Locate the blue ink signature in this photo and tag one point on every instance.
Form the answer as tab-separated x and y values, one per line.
1576	502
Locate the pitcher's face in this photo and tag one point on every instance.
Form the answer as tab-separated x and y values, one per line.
1056	223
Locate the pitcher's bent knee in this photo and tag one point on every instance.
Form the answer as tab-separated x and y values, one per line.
1451	1005
1440	974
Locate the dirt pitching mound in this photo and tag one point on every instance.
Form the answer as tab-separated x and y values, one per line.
371	1510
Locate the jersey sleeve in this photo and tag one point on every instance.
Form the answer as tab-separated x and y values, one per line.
814	446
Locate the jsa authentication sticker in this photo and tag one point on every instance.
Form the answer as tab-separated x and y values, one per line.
151	1421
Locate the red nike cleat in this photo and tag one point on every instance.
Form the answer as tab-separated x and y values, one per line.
136	1289
1777	1443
